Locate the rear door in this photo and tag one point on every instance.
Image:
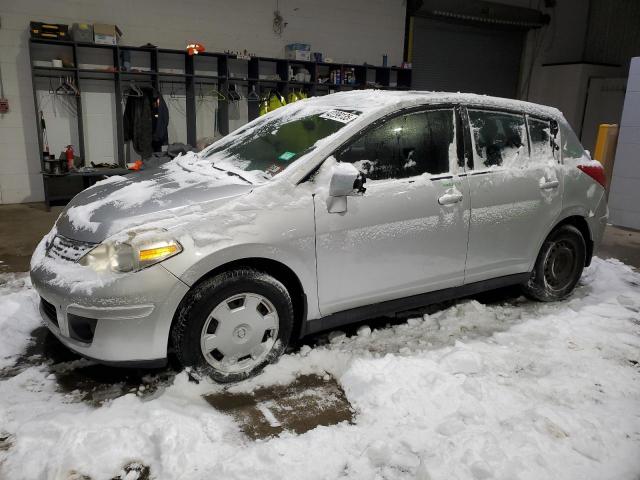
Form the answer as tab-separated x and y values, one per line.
515	189
407	234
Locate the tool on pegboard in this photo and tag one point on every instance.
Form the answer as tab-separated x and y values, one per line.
4	103
45	140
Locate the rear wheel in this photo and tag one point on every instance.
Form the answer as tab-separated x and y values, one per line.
559	265
234	324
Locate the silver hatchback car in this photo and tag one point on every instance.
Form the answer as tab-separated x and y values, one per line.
325	212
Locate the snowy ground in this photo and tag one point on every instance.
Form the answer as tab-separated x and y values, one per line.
510	390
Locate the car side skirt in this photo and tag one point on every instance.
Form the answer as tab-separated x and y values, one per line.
358	314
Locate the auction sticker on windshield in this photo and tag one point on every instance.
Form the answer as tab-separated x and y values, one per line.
339	116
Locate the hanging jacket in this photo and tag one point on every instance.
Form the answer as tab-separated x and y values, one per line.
160	123
145	122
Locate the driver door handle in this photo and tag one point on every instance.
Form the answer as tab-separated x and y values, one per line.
550	184
450	198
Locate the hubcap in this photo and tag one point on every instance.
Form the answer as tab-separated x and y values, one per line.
239	333
560	266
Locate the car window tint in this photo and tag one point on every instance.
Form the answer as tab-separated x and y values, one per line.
406	146
542	143
571	147
499	139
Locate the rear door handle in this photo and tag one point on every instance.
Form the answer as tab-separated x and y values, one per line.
450	198
549	185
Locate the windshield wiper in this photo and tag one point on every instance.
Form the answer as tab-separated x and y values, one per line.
229	172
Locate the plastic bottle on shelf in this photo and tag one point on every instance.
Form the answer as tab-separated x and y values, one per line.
69	155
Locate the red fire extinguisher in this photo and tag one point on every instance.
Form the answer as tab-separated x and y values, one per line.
69	154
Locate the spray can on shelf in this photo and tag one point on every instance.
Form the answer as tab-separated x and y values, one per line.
69	155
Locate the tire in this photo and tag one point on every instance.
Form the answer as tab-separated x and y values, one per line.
559	265
219	327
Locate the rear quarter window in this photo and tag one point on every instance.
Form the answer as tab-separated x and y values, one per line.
571	146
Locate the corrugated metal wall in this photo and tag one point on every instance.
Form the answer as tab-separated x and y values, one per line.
466	58
613	35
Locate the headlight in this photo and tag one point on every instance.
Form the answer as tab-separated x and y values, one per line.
140	250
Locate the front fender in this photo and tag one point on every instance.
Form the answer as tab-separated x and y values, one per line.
302	266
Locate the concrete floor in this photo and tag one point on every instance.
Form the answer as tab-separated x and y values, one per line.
23	225
621	243
21	228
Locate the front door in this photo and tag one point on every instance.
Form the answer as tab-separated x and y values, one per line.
407	234
515	190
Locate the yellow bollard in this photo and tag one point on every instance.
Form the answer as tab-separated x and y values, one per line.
605	151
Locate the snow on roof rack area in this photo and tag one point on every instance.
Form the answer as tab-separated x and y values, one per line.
371	100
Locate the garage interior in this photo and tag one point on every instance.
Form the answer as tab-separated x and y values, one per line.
76	76
575	55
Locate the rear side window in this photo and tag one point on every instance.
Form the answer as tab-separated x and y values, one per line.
571	147
406	146
542	142
499	139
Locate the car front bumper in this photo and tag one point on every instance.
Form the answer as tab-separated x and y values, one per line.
125	322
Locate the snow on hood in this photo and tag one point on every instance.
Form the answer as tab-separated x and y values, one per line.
118	202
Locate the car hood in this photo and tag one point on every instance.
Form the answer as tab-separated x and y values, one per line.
140	198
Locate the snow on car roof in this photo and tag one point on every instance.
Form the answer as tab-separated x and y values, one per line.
371	100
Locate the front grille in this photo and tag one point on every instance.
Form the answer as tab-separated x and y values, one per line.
49	310
66	249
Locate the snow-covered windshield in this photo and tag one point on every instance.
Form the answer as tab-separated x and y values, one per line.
270	147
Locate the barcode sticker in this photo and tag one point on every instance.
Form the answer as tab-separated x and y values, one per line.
339	116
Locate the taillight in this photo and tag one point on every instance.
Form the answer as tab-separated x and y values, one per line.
595	171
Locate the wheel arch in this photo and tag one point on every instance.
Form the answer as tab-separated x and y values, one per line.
580	222
278	270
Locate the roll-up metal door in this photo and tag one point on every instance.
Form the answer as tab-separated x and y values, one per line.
455	57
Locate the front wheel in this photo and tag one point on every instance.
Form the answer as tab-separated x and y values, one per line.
559	265
233	324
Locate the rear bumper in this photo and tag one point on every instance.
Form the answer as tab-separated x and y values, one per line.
598	222
124	323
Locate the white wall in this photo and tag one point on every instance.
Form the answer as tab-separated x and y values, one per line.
565	87
354	31
605	99
624	196
561	41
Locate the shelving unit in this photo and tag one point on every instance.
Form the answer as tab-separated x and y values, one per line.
209	69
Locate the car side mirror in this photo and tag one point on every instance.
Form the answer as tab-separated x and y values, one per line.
345	180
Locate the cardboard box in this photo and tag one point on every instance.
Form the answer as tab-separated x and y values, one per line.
104	34
298	51
300	55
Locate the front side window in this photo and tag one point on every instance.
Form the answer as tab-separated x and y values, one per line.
270	147
499	139
406	146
